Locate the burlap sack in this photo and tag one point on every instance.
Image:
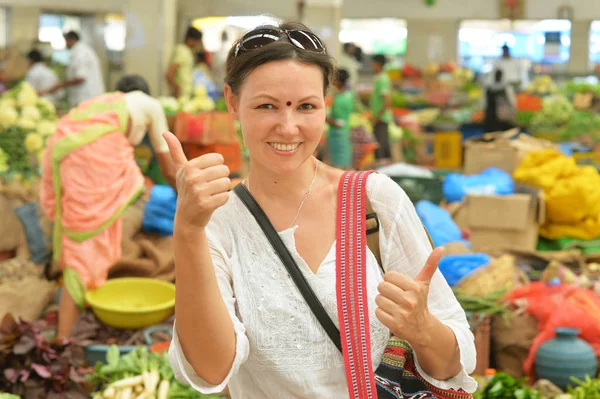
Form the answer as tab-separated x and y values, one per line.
511	342
26	299
11	231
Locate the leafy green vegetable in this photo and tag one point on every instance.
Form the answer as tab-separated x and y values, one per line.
503	386
135	363
556	111
489	305
572	88
581	123
12	143
587	389
524	118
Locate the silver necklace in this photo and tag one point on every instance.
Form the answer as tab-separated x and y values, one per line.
305	194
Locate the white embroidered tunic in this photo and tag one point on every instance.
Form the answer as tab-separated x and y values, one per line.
281	349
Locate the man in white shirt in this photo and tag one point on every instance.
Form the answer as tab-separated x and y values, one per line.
40	77
84	75
512	68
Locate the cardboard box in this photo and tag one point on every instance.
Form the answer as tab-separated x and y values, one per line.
503	150
502	222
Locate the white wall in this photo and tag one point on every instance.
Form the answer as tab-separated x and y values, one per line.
443	9
465	9
68	5
220	8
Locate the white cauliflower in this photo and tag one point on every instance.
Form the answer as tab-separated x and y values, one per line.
26	95
8	116
46	108
30	112
169	103
189	107
46	128
200	91
7	101
205	104
26	124
33	142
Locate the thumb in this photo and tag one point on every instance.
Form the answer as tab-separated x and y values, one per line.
431	265
175	149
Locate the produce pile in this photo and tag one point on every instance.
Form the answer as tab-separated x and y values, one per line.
199	102
139	374
489	305
555	112
26	123
542	85
503	386
36	365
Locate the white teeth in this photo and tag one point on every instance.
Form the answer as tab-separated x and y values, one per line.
284	147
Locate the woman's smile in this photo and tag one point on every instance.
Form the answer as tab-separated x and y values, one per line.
285	149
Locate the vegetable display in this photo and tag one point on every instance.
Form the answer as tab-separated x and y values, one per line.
587	389
35	365
26	124
542	85
580	123
13	145
199	102
556	111
139	374
489	305
503	386
572	88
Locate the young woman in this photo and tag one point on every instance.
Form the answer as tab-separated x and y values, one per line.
240	320
339	147
90	176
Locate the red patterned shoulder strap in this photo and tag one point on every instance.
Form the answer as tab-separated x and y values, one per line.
352	301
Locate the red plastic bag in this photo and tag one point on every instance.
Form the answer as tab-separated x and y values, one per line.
560	306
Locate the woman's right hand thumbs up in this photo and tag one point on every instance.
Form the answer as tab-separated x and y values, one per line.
202	184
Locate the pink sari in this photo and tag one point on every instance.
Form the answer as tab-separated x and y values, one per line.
89	178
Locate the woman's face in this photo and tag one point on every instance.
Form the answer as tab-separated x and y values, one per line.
281	108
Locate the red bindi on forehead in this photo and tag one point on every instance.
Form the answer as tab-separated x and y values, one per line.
289	103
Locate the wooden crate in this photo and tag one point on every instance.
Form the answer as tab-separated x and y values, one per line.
231	152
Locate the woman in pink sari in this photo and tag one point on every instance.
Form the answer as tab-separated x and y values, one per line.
90	177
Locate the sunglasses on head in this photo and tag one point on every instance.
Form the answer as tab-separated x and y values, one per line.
264	36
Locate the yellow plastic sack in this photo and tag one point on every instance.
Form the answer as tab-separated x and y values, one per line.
572	194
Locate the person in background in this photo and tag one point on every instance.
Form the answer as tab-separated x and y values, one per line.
499	105
203	75
84	78
89	178
339	147
180	73
381	113
512	68
40	77
349	63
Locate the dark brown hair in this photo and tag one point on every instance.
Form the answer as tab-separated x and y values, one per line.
240	66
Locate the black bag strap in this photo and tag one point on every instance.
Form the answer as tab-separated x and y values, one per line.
290	264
